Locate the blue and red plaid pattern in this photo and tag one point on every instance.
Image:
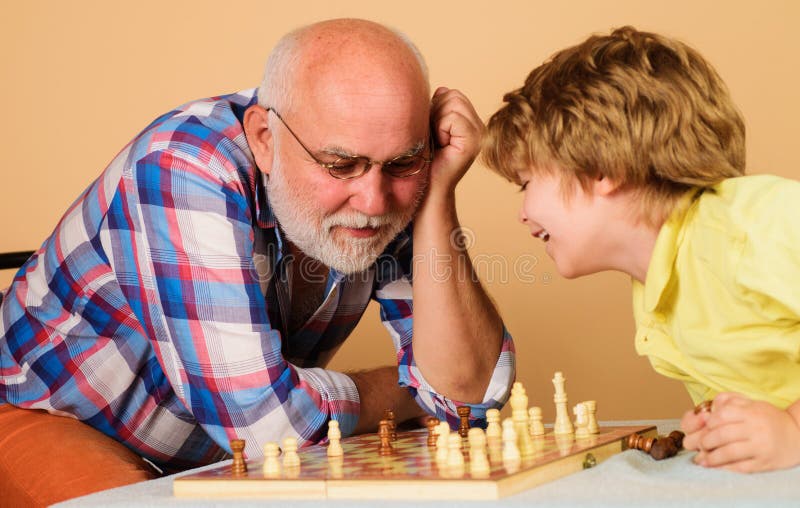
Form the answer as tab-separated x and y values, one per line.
152	311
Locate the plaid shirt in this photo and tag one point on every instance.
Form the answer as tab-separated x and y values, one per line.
154	311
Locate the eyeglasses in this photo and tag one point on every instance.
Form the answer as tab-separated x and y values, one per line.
348	167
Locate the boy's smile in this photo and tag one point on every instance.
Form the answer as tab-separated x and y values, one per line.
542	235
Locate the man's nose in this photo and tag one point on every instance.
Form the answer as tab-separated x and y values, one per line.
371	191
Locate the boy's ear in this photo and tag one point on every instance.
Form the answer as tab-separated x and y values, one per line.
259	136
605	186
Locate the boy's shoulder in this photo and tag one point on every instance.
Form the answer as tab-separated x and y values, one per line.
748	207
747	197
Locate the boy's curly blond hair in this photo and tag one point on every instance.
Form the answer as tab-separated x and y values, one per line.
642	109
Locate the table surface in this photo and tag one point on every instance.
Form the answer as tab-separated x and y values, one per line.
629	478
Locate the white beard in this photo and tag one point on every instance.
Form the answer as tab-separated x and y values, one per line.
311	231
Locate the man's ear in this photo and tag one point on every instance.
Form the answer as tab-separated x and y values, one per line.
259	137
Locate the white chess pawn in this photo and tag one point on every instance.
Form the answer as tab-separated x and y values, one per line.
272	466
519	415
510	451
535	424
478	460
290	457
455	457
336	467
442	442
334	440
494	432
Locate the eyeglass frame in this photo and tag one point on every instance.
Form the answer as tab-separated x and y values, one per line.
330	166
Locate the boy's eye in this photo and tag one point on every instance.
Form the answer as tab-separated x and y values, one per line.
523	186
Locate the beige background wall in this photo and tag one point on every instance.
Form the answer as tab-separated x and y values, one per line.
80	78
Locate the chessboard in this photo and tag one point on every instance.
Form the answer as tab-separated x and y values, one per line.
410	471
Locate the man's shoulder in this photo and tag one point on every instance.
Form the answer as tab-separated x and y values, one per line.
216	113
202	129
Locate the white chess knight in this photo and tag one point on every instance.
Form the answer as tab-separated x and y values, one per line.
562	425
581	421
334	439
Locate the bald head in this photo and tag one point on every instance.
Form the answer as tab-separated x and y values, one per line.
342	57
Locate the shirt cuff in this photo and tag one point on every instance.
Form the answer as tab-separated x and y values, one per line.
496	394
339	396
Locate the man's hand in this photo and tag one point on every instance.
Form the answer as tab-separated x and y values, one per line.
744	435
378	390
457	132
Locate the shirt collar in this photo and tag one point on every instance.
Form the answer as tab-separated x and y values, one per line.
668	241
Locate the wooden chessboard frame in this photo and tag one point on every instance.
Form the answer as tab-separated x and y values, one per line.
410	473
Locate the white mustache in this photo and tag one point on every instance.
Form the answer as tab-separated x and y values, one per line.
357	220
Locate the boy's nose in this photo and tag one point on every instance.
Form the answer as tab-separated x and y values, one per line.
522	217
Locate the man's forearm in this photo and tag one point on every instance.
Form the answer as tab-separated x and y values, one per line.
457	330
378	390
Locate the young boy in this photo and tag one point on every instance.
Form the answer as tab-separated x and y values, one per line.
630	154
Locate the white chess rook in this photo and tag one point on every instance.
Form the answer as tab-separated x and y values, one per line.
591	412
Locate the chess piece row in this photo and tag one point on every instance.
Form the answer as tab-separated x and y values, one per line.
527	422
449	453
585	413
272	464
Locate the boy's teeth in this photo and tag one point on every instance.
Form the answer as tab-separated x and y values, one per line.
544	235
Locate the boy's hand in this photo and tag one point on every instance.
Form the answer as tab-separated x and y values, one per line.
743	435
693	424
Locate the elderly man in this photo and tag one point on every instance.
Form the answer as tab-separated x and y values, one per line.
196	289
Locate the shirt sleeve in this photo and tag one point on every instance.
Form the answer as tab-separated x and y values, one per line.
185	226
393	294
769	271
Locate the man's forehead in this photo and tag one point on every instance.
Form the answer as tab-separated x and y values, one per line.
344	119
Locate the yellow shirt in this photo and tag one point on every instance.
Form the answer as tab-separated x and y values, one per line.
720	307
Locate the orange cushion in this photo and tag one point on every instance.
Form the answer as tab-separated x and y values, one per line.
45	459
